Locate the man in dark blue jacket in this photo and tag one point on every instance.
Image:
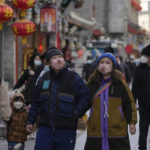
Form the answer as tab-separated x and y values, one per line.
59	99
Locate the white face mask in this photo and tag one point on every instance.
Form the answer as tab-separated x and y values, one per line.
18	105
37	62
105	66
89	61
143	60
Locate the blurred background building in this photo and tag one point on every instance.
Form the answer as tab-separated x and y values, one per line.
76	27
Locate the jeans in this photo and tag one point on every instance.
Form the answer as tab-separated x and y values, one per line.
144	126
19	146
55	139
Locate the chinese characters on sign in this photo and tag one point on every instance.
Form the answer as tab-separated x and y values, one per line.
8	12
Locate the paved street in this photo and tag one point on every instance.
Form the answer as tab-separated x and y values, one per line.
81	137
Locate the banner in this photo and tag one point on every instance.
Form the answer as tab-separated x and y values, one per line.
27	53
48	19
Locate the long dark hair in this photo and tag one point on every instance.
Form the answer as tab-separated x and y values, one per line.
97	77
31	62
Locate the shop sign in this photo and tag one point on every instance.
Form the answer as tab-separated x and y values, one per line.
27	53
48	19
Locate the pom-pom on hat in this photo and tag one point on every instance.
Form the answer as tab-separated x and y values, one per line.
52	52
108	55
146	51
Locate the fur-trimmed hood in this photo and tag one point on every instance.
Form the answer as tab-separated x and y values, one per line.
94	85
18	94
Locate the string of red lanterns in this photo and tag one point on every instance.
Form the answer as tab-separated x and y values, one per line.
23	27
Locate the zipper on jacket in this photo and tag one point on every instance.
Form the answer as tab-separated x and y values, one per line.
106	111
53	129
53	103
105	128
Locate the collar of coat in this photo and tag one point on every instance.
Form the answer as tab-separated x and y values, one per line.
53	74
94	86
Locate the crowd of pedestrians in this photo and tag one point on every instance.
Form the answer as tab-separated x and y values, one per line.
54	97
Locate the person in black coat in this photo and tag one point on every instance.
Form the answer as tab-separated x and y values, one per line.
130	61
43	67
141	92
87	68
125	68
27	77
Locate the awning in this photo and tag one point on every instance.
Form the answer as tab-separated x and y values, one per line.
81	22
97	32
132	30
136	5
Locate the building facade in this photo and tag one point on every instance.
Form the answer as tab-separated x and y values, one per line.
113	19
144	15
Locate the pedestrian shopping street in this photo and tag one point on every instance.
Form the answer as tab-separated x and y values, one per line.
60	58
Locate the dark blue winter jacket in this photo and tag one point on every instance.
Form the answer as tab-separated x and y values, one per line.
59	99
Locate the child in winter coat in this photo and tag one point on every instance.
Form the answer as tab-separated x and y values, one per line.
16	127
112	108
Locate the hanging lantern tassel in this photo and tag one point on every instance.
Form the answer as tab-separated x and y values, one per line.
23	13
24	40
1	26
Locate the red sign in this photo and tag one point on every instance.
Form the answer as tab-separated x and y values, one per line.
48	19
128	48
27	53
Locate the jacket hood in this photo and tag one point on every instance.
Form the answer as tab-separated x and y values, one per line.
18	94
118	75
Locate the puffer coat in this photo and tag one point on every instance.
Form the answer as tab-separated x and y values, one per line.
110	114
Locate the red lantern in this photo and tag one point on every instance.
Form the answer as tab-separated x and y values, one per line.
23	5
23	28
6	14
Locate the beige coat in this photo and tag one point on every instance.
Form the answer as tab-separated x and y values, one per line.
5	108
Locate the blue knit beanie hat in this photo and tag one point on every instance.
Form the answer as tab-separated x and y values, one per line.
108	55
